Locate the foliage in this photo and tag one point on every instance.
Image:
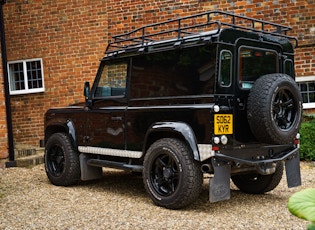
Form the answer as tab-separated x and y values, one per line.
302	205
307	132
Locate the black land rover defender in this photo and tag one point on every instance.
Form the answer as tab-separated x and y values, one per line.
209	93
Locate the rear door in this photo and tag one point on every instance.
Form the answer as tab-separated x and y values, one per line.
253	60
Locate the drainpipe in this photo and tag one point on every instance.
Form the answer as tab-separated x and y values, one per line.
11	162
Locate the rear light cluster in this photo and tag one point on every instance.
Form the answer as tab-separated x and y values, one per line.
297	140
219	140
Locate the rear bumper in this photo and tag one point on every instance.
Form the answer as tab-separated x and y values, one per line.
219	188
279	156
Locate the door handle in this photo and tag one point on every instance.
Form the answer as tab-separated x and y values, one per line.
116	118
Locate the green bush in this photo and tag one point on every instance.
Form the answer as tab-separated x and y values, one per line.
307	146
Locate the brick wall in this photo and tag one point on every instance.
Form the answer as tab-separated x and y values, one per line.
71	36
299	14
3	126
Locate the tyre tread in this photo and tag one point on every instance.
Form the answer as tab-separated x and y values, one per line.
72	172
193	180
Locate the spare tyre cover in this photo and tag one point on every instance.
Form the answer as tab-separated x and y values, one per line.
274	109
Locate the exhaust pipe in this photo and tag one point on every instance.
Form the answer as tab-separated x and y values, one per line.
206	168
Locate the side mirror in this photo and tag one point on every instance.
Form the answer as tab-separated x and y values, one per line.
87	90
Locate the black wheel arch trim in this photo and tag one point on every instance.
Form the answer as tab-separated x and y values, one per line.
179	128
64	125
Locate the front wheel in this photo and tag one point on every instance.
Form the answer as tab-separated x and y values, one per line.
255	183
61	161
171	176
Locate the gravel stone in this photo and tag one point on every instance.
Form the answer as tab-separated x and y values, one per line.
119	201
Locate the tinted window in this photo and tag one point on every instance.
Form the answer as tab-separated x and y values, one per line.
254	63
288	67
173	73
225	68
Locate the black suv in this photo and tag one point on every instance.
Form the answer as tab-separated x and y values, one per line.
209	93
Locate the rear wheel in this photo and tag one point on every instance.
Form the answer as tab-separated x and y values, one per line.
171	176
61	161
255	183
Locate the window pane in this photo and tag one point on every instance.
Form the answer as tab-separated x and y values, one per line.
225	68
34	74
255	63
311	97
305	97
308	91
16	76
174	73
288	65
303	87
113	80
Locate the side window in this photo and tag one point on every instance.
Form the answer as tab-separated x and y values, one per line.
113	80
173	73
225	75
254	63
288	67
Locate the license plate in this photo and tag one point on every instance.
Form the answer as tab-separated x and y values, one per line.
223	124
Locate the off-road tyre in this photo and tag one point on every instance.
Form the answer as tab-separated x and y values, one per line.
171	176
61	161
274	109
255	183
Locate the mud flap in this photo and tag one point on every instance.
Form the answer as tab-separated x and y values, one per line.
219	186
292	168
89	172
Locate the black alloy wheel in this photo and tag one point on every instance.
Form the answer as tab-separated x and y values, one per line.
171	176
62	163
284	109
165	174
56	160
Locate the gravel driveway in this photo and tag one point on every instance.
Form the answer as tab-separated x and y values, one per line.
119	201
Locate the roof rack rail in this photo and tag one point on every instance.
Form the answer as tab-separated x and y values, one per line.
194	26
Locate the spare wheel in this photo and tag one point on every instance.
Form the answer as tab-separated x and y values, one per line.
274	109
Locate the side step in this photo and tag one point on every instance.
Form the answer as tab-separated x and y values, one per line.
91	169
113	164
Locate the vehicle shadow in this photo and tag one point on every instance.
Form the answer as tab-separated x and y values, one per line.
117	181
130	186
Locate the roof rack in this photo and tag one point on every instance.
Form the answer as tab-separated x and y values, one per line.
196	25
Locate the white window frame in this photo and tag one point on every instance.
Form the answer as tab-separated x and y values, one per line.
27	90
306	79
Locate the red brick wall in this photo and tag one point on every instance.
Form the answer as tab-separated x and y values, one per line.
299	14
3	124
71	36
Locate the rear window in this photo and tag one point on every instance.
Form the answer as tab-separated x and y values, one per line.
254	63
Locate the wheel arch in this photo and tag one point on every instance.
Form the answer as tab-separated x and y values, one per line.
66	126
178	130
